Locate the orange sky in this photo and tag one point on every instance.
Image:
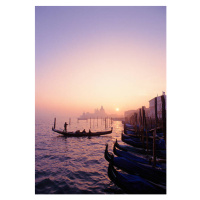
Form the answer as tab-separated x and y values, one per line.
104	57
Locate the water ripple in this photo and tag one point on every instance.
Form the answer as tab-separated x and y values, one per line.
73	165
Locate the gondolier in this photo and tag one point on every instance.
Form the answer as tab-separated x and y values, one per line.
65	127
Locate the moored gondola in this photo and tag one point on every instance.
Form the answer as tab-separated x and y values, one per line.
161	154
133	184
145	159
156	175
130	156
160	144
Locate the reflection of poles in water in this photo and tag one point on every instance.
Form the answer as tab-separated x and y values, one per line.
69	121
54	126
90	122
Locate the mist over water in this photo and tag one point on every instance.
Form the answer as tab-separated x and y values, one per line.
73	165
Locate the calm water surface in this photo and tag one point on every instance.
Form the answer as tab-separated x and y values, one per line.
73	165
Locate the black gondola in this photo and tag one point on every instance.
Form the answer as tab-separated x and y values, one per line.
81	134
161	154
133	184
156	175
160	144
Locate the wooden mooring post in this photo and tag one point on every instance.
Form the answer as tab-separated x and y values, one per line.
136	124
154	134
140	124
143	119
54	126
147	139
143	124
163	117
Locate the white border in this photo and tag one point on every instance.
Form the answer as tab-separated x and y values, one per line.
17	99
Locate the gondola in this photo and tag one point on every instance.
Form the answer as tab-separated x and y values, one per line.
81	134
132	141
127	147
160	144
133	184
131	156
156	175
136	135
130	126
161	154
139	158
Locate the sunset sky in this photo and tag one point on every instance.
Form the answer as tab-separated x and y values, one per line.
88	57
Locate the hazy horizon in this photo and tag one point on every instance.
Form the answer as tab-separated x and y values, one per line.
88	57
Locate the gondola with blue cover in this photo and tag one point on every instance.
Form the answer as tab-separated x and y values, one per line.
133	184
145	159
156	175
161	154
160	144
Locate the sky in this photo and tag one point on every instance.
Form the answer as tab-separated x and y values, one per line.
88	57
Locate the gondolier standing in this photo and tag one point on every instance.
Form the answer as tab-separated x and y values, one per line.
65	127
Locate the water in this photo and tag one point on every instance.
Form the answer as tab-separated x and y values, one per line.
73	165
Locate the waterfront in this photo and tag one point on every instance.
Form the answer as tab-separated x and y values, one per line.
73	165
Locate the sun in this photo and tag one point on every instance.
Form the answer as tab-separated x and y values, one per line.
117	109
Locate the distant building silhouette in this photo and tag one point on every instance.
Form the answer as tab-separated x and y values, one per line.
97	113
159	107
149	112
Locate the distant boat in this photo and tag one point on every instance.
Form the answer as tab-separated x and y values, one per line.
81	134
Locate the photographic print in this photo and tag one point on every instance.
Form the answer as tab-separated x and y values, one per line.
100	100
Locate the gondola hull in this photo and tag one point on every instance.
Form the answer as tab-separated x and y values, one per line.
159	153
153	174
160	144
81	134
133	184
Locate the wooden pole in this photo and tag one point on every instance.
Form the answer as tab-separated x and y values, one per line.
143	125
163	117
90	122
154	134
97	121
140	122
54	123
136	124
147	139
